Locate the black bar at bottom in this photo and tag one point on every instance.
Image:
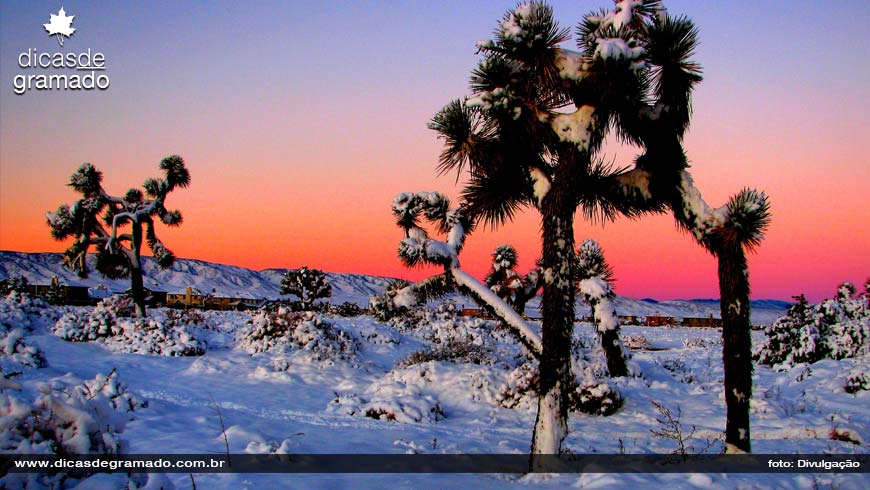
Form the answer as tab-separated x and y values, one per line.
435	463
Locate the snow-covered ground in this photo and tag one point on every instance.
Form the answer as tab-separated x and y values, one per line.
320	392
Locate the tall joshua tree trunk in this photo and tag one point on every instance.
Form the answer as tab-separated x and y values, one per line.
551	424
736	344
137	287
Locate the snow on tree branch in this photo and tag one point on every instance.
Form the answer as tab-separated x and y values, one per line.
417	249
742	220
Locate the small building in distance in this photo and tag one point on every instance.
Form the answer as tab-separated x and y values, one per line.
708	322
660	321
630	319
193	297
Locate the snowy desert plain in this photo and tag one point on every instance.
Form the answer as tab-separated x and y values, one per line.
429	382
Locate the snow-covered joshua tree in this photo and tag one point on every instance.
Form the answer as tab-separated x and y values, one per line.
96	220
306	284
507	283
594	282
531	135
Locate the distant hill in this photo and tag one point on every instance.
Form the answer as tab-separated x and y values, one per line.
229	280
225	280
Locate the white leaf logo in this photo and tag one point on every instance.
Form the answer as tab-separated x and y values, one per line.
60	25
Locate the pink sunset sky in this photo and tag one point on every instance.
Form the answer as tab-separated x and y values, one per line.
300	121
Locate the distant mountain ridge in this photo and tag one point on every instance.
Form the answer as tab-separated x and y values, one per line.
225	280
230	280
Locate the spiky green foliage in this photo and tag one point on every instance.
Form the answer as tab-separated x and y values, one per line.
670	47
433	288
87	181
749	213
526	83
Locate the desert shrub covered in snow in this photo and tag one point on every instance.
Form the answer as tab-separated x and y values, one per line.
397	397
18	284
110	323
16	351
599	398
118	305
858	380
451	337
19	314
305	331
346	309
401	318
837	328
700	343
636	342
19	309
65	417
442	326
375	333
589	395
682	371
381	308
190	316
456	352
519	387
99	323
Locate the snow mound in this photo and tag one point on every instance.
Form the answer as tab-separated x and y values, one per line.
65	416
395	398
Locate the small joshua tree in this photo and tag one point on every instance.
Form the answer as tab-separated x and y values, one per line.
594	278
306	284
507	283
96	219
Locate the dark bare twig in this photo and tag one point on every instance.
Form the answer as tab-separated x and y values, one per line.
223	428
